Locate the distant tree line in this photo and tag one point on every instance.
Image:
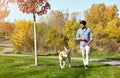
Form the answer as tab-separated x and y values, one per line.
58	29
5	27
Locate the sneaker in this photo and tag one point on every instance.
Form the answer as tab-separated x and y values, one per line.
86	66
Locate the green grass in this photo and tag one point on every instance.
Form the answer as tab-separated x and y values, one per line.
99	54
17	67
93	54
1	48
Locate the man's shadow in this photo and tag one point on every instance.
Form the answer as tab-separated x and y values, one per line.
110	60
92	66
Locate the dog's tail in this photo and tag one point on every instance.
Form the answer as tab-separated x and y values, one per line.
65	48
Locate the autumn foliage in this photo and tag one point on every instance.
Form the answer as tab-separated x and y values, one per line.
6	29
105	25
32	6
57	29
22	36
4	12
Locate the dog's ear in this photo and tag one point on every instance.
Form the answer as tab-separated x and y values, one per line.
69	50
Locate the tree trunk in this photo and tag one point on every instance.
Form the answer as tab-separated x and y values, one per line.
35	41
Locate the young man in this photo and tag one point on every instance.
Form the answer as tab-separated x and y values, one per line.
84	35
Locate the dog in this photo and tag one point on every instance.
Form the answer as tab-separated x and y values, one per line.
63	56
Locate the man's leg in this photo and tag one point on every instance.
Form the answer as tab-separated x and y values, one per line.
69	59
83	54
87	56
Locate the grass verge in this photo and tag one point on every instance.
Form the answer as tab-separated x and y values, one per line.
18	67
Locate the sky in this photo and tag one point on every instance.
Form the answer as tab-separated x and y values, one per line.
62	5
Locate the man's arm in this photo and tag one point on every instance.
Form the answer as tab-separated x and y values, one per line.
77	35
91	38
89	42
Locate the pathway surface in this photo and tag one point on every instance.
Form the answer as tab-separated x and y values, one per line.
8	48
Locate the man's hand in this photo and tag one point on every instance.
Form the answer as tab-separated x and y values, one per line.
89	42
82	39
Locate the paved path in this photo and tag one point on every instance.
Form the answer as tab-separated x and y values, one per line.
9	48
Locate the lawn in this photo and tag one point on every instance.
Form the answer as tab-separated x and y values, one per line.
93	54
18	67
99	54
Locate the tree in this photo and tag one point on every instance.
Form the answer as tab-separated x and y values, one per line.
98	17
74	16
43	31
55	39
100	14
104	22
57	18
113	30
34	7
71	27
3	10
22	38
6	29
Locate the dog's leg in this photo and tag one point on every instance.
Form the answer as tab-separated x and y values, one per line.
61	64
